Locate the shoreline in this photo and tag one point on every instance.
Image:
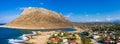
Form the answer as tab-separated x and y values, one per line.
37	36
27	28
42	37
1	25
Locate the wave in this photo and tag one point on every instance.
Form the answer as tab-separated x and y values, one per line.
21	39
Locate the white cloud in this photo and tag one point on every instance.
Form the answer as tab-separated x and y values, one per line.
109	19
86	15
97	20
68	15
22	8
30	7
41	3
37	1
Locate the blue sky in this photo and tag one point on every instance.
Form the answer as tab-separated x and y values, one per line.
74	10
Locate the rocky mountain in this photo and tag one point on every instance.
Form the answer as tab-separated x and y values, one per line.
40	18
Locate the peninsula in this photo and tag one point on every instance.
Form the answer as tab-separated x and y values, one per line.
39	18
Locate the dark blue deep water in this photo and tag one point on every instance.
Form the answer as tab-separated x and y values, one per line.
10	33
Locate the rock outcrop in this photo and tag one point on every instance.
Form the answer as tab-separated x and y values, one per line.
40	18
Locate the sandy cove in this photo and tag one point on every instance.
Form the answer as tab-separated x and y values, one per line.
43	37
39	38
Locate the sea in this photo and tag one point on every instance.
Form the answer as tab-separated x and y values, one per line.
12	33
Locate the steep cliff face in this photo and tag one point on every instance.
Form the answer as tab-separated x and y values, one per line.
40	18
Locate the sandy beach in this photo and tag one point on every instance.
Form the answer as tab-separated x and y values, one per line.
32	27
40	38
43	37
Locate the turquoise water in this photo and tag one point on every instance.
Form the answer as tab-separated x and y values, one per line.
10	33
